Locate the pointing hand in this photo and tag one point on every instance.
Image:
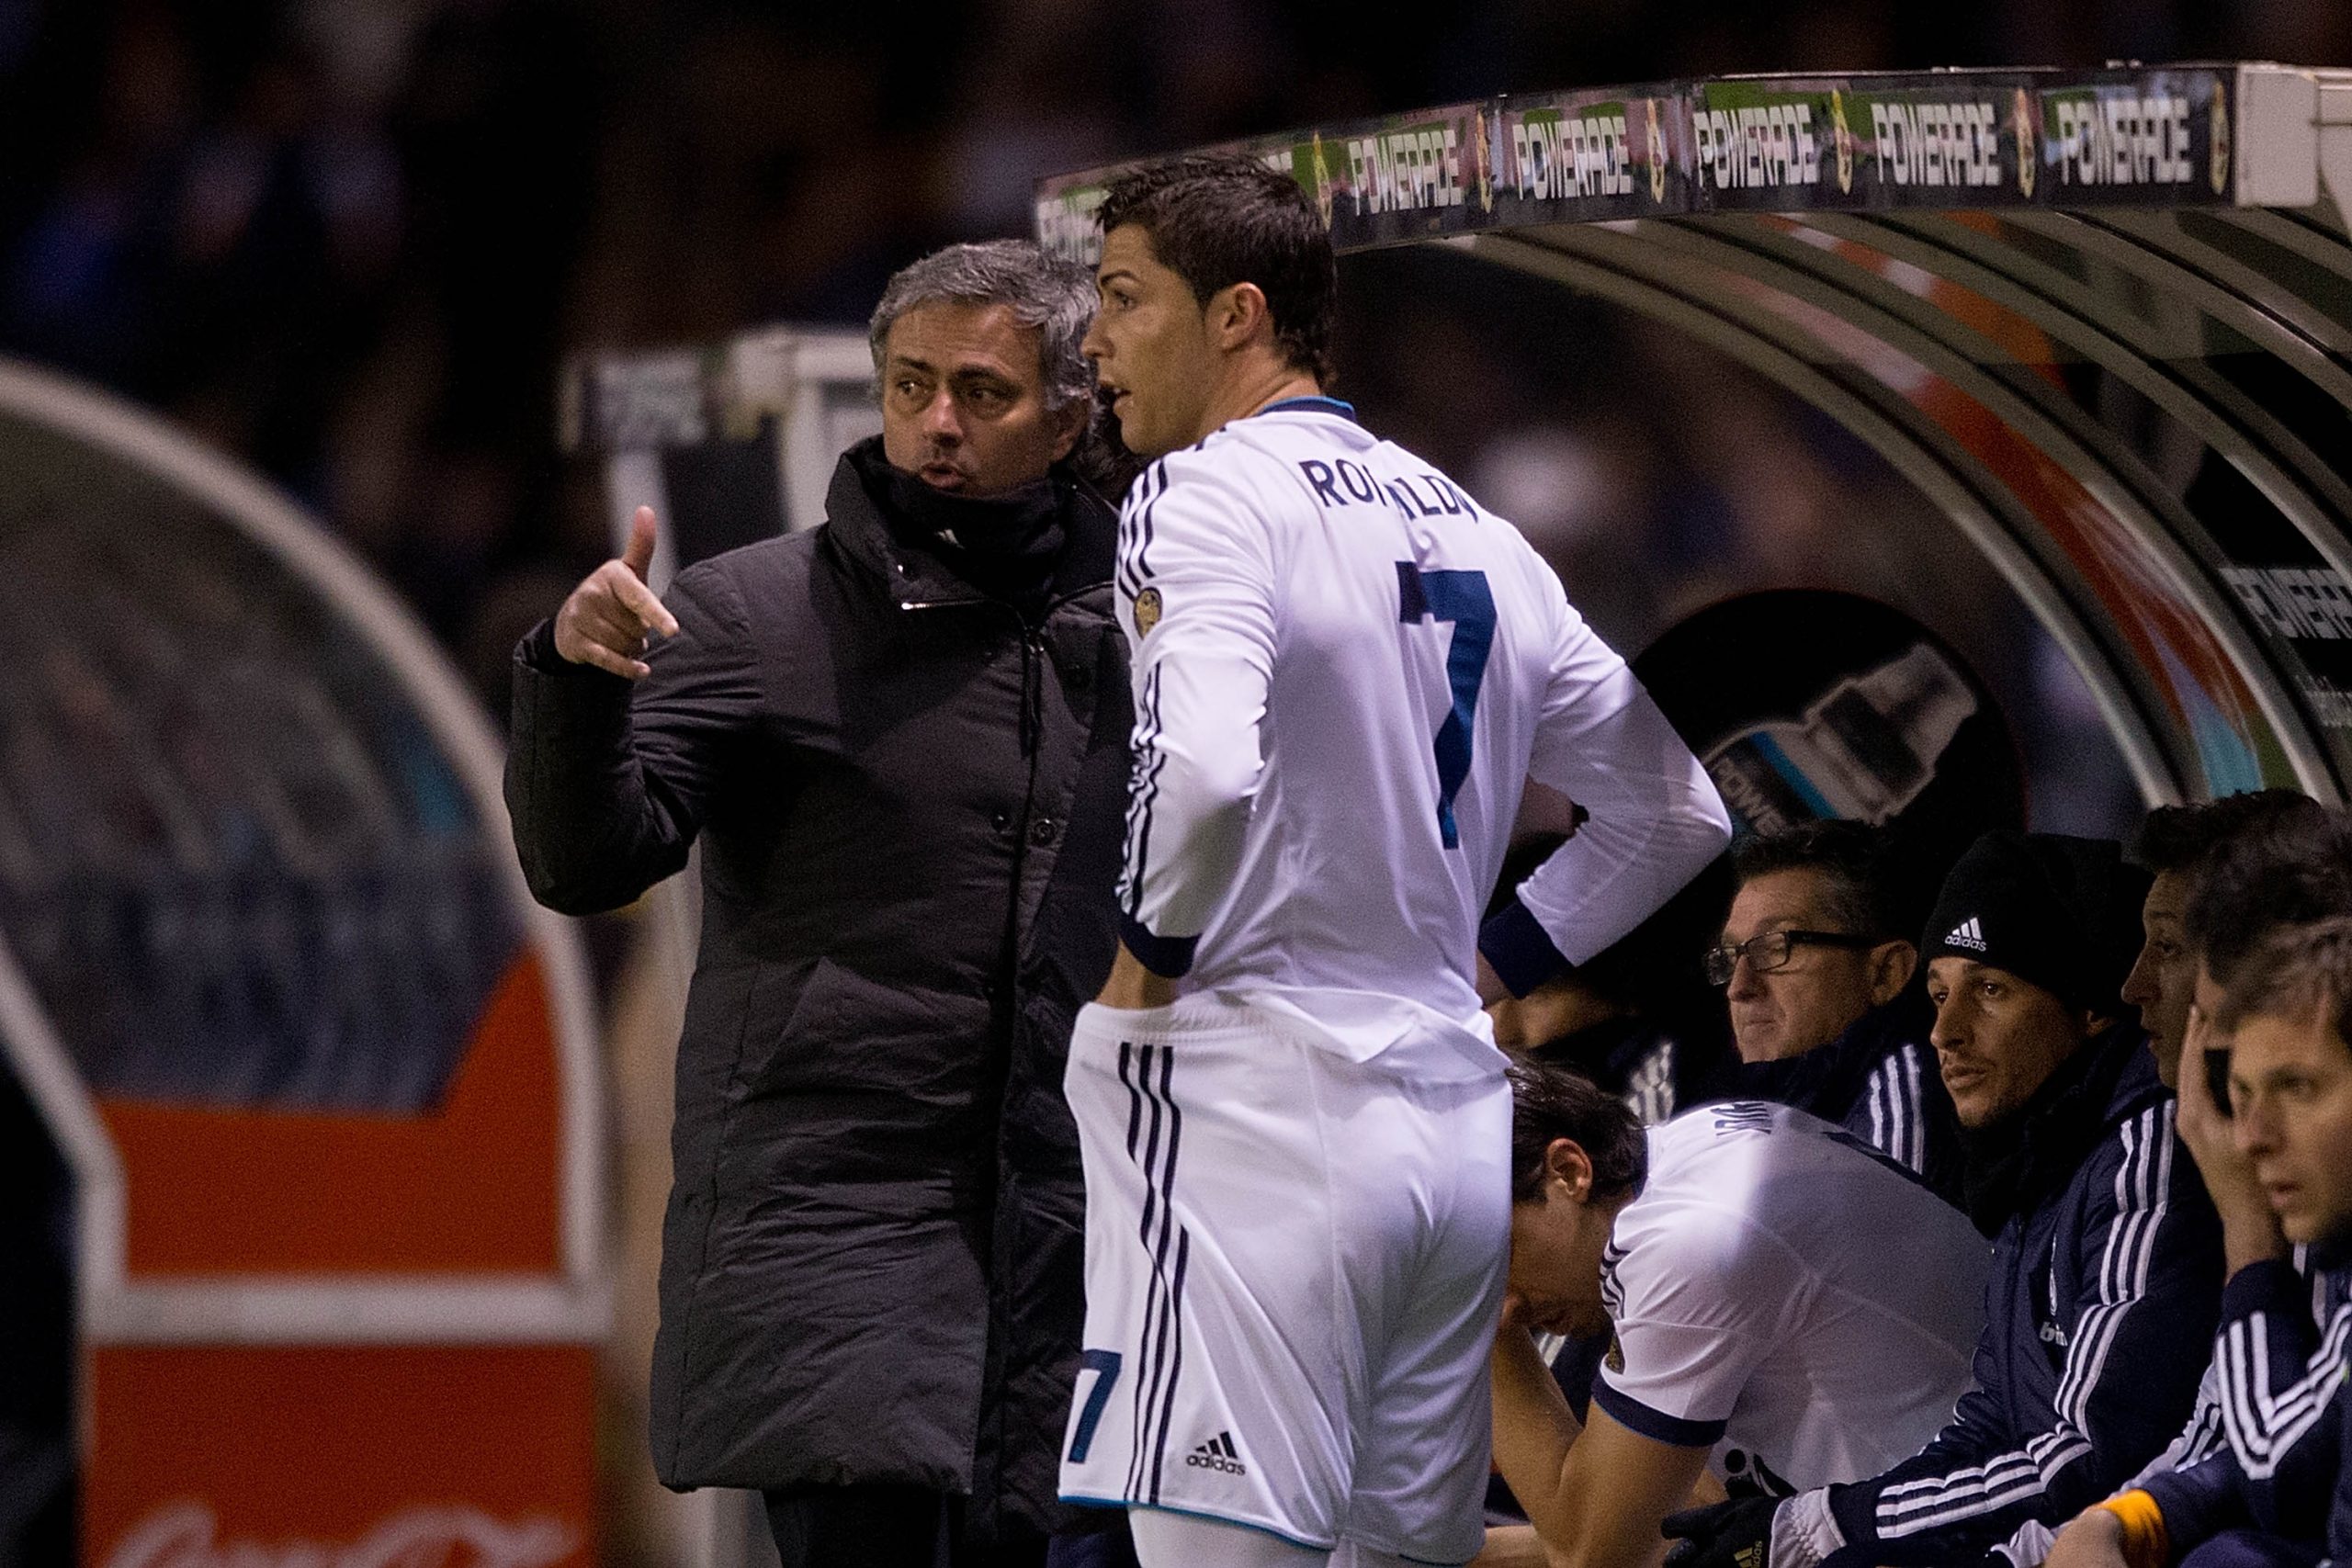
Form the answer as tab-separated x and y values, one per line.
607	618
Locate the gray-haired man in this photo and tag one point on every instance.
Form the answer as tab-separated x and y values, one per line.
902	739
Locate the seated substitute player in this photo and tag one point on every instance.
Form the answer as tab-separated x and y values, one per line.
1294	1118
2175	845
2245	864
2286	1319
1817	976
1779	1295
2107	1256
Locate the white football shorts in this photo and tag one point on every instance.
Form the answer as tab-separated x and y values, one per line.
1294	1264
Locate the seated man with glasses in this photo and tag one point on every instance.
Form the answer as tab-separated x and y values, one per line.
2107	1256
1823	1008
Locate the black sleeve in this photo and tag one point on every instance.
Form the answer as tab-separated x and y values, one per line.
606	780
2149	1289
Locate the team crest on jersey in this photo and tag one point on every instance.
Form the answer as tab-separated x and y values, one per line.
1615	1359
1147	611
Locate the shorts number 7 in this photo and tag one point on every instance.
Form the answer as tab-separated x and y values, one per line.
1104	1365
1463	598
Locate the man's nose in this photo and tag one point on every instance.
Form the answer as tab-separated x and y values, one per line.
1745	981
2251	1129
1952	1025
940	420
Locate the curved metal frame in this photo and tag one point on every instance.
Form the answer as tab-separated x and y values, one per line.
114	1309
1959	493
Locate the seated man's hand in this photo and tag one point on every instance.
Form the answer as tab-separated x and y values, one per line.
2094	1539
1738	1534
2250	1230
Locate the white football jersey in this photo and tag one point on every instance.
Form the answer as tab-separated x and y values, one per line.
1788	1295
1345	672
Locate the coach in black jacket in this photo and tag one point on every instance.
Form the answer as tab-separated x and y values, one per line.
2107	1259
902	739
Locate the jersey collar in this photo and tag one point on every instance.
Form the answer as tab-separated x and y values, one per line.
1317	404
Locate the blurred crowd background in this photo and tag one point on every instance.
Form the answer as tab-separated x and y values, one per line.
352	241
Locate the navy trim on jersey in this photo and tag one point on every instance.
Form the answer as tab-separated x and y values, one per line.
1166	956
1161	1346
1516	944
1315	404
1655	1424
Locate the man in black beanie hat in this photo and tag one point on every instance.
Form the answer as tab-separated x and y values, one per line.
2107	1256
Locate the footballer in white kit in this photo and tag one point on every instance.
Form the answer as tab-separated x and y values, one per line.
1784	1304
1295	1123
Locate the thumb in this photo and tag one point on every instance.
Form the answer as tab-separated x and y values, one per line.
643	531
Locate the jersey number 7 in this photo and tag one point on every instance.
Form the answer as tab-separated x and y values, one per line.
1463	598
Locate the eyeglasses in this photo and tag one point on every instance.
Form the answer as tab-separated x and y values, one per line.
1773	951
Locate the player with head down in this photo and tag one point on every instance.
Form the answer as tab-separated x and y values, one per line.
1295	1122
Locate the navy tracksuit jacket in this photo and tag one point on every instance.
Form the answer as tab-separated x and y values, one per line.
2098	1315
2280	1357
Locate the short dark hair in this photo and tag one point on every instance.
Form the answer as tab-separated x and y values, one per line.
1216	219
1549	1103
2175	837
2289	870
2298	973
1852	860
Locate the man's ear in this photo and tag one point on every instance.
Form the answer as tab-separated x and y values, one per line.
1565	1161
1236	314
1892	967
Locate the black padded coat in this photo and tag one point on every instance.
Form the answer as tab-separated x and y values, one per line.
910	799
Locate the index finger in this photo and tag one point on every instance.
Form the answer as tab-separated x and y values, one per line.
645	602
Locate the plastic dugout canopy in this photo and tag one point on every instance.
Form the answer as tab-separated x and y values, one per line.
325	1079
2103	320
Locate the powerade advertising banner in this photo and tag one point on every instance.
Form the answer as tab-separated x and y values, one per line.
1376	182
1958	139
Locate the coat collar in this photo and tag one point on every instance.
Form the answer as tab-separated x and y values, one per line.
917	576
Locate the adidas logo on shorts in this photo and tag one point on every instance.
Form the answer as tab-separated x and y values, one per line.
1967	934
1219	1453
